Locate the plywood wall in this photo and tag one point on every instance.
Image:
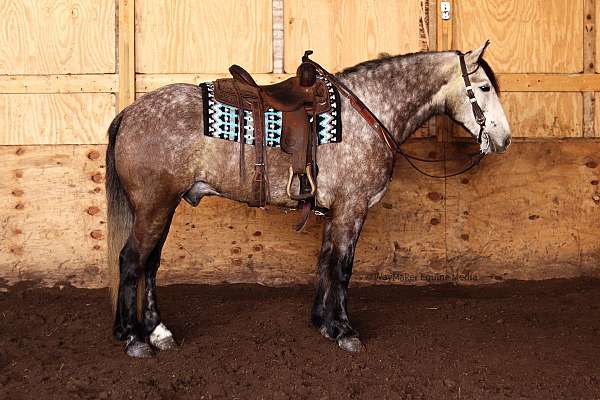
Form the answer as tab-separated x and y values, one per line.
543	36
531	214
529	37
66	67
189	36
363	29
65	118
57	37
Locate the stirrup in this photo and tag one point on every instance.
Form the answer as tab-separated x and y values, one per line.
301	196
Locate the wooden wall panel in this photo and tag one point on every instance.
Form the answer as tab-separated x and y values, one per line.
595	36
541	114
187	36
81	118
53	228
557	115
529	214
597	113
57	36
532	213
527	36
53	214
345	32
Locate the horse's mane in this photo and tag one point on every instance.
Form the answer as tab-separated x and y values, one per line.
382	59
371	64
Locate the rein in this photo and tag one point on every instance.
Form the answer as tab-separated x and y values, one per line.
384	133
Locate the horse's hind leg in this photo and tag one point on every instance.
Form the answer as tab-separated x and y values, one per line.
329	313
148	228
159	336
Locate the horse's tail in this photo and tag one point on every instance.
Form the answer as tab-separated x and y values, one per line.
119	213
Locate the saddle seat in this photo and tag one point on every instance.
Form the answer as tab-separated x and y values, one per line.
288	95
298	99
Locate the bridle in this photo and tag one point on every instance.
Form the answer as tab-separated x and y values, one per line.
384	133
477	111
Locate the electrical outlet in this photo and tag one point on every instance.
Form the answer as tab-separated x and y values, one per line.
445	9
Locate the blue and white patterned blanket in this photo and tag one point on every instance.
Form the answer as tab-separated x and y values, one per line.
221	120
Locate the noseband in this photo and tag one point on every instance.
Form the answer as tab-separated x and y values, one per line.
385	134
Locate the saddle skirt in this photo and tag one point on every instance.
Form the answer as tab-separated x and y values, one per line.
222	111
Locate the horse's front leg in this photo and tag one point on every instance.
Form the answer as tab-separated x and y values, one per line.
329	313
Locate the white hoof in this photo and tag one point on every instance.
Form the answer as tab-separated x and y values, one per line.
351	344
162	338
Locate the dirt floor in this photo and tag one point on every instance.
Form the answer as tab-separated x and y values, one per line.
516	340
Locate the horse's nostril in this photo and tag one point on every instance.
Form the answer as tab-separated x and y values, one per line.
507	142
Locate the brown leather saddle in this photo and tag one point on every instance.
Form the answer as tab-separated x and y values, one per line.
299	99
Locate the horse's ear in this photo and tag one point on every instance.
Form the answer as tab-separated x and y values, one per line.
474	56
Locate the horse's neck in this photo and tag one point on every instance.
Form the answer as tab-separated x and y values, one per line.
403	92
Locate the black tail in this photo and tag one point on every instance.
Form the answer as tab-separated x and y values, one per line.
118	211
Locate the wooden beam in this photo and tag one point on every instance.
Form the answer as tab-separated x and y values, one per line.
278	43
549	82
95	83
431	12
444	27
444	42
589	59
148	82
110	83
126	60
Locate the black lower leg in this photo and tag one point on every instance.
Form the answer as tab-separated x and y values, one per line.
329	312
151	314
322	266
125	323
334	289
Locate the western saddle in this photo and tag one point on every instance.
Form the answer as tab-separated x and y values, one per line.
299	99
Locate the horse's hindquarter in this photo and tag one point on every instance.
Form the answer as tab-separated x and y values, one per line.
162	149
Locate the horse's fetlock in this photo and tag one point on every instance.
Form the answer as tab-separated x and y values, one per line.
121	332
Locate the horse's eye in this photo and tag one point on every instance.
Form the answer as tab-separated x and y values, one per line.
485	88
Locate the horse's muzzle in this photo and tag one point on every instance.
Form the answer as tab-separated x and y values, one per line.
500	148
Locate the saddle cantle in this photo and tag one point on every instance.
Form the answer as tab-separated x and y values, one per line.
299	99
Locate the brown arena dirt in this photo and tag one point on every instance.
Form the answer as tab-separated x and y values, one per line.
515	340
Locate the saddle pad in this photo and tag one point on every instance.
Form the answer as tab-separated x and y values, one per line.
221	120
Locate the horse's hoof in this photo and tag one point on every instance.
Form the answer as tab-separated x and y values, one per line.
323	331
165	344
351	344
162	338
138	349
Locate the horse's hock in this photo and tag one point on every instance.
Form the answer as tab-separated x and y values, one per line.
532	213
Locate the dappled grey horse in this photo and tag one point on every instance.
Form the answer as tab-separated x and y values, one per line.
157	153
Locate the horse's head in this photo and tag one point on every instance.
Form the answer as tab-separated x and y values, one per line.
462	103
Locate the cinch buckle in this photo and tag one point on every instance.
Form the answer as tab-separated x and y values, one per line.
313	187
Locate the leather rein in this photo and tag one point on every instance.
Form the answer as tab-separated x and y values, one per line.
384	133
